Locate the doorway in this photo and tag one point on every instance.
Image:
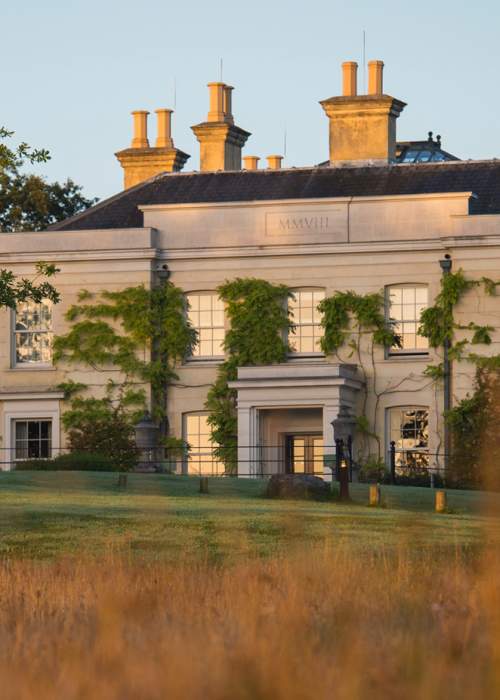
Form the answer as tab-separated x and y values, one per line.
304	454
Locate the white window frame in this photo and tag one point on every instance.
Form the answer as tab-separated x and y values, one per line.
415	351
29	406
208	463
195	356
15	422
15	364
294	336
389	436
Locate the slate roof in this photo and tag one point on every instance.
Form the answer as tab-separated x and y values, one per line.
121	211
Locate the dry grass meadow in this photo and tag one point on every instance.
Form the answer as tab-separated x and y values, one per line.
405	617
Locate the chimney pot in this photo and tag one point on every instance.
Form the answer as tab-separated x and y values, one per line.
227	104
218	97
164	128
375	77
274	162
251	162
349	79
140	139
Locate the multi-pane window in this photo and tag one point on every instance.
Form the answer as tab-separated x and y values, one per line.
405	304
201	458
206	313
32	439
307	319
409	429
33	333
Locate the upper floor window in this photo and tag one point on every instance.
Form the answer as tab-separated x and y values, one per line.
307	319
206	313
404	304
33	334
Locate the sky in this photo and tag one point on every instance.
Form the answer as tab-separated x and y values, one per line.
72	71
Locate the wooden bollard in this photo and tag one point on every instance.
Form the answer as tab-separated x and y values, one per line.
375	495
122	481
203	484
441	502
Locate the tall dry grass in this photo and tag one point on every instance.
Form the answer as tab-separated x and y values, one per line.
322	624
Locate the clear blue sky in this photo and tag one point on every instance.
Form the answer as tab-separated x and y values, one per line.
73	70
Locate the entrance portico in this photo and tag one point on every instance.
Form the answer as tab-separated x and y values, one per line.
279	404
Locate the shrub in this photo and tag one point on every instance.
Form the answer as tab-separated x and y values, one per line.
96	426
73	461
373	470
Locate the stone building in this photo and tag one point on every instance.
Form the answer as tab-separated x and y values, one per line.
378	215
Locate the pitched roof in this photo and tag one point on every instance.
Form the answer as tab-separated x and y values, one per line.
121	211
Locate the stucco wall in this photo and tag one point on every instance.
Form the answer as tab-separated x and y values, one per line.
362	245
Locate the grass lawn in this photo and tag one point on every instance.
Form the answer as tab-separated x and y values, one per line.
46	514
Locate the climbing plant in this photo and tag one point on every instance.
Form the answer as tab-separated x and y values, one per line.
358	322
259	323
139	333
469	419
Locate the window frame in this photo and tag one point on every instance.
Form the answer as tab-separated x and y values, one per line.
204	358
14	441
393	352
219	469
15	364
388	430
292	354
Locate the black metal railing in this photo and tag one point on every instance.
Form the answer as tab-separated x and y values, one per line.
402	466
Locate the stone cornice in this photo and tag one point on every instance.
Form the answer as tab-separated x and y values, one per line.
315	249
221	131
317	201
81	255
362	104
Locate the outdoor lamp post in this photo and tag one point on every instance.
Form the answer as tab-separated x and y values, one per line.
146	439
343	429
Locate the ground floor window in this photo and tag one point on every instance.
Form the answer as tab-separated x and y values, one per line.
32	439
409	429
201	458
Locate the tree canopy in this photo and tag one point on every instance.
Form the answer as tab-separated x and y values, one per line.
27	201
15	290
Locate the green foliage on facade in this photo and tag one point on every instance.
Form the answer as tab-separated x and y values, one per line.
138	334
259	324
143	333
476	440
367	311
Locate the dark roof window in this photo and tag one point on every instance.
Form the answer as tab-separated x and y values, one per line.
429	151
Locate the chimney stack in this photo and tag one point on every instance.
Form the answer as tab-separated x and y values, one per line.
349	78
376	78
220	140
251	162
274	162
140	139
362	127
140	162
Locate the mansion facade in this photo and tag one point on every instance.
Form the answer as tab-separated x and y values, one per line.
375	217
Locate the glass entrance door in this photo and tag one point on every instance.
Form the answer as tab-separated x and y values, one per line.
304	454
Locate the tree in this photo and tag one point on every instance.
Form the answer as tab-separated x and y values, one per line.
27	201
14	290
